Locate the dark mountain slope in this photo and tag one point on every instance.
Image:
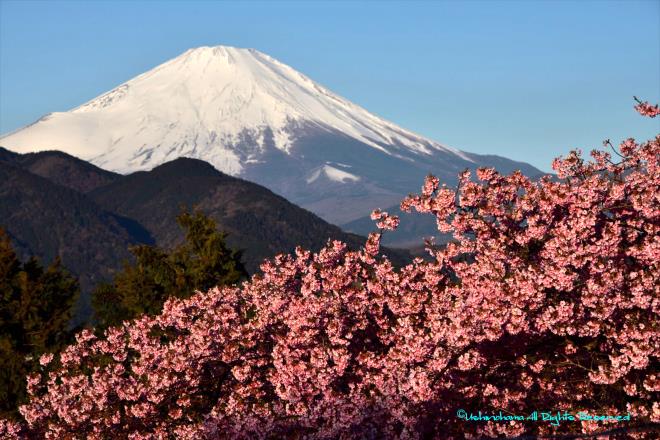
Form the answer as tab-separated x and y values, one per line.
9	156
46	220
258	221
61	168
48	215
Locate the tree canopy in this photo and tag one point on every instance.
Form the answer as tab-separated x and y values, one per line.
36	305
201	262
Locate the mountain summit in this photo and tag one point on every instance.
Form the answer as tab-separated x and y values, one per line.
252	116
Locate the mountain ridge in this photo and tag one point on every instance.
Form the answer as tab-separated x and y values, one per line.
92	229
48	220
258	221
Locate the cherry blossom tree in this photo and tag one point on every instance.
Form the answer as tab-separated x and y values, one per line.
547	300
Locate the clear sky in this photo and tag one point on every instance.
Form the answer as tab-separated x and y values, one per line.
527	80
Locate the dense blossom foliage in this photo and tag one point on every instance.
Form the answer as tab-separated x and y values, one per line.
548	299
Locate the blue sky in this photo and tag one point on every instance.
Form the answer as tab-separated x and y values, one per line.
524	79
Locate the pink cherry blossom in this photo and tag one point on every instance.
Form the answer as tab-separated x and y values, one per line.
546	299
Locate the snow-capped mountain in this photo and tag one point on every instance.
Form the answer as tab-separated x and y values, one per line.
252	116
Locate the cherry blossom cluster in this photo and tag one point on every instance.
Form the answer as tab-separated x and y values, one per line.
384	220
646	109
547	298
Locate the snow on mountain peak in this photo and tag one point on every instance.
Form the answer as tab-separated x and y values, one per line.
222	104
333	174
250	115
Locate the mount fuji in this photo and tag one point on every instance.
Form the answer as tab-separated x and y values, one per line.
254	117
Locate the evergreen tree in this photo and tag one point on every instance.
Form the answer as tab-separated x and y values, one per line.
36	305
201	262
